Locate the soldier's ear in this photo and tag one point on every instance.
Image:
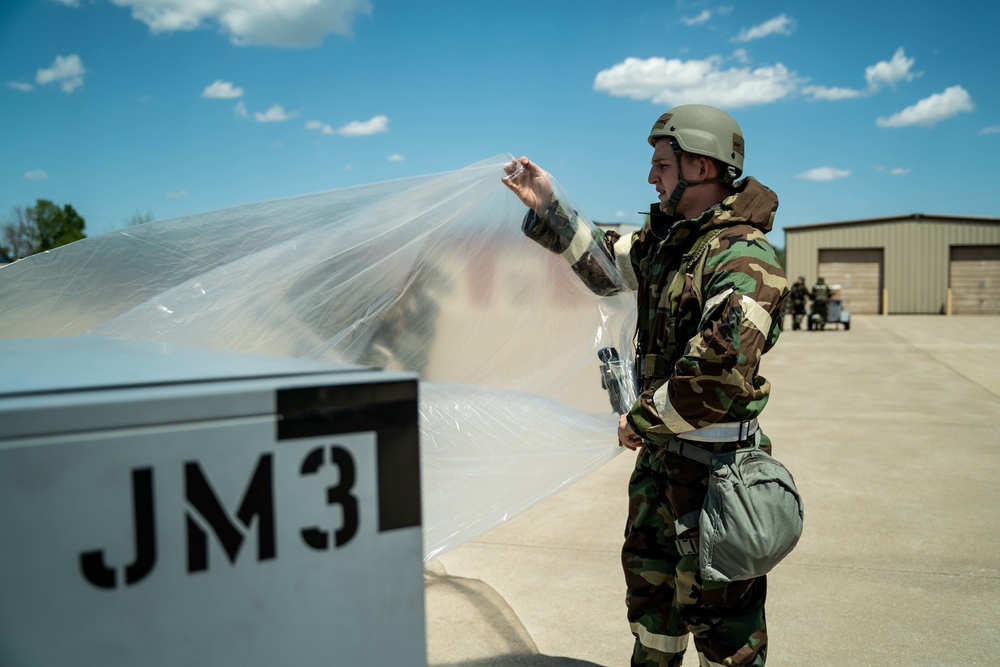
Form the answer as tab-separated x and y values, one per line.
704	168
709	168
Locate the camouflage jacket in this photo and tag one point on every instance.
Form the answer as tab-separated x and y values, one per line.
820	292
798	294
702	331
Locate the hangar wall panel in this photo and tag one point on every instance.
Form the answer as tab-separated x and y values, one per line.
974	278
856	276
916	250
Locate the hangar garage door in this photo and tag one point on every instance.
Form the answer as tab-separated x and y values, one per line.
974	277
858	271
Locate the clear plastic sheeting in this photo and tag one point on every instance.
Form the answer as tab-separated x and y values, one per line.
430	274
488	455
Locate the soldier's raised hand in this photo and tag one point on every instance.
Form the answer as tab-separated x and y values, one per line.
529	182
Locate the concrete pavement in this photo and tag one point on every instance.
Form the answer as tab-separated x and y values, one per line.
892	431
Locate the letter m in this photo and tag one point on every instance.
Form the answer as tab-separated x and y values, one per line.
258	501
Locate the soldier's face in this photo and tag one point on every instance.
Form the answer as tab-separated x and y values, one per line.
663	169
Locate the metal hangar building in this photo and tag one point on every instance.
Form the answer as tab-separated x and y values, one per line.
916	264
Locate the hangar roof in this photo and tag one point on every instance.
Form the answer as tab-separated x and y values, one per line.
894	218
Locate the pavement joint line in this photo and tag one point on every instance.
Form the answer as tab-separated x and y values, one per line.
938	361
932	573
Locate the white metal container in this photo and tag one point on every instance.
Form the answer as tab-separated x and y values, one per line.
167	505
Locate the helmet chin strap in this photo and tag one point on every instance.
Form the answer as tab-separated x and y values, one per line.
670	206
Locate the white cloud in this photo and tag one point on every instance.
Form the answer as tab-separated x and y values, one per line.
991	129
69	3
357	128
240	110
290	23
677	81
881	74
36	175
824	174
276	114
890	72
900	171
360	128
177	194
699	19
66	71
20	85
320	127
779	25
930	110
827	93
222	90
395	157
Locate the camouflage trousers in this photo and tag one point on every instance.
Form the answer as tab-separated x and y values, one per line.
822	309
666	598
798	312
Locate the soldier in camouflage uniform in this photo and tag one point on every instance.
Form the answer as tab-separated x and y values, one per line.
820	296
797	296
710	291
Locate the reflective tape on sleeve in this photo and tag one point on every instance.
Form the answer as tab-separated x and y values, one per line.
756	314
671	418
583	238
623	260
716	300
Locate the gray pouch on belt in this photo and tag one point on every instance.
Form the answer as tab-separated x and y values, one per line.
751	518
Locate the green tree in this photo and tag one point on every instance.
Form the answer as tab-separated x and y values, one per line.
56	226
41	227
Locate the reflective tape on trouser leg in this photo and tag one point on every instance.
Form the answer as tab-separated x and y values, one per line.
643	656
662	643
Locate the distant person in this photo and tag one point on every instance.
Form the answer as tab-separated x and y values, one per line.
797	297
820	296
404	333
709	291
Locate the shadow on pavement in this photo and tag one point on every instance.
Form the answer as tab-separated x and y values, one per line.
469	624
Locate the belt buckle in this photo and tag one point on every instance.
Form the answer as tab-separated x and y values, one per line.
686	546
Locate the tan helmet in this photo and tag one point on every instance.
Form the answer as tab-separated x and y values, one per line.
703	130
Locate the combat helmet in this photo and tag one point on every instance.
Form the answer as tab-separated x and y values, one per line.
700	130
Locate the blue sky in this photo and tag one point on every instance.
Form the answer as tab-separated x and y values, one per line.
173	107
